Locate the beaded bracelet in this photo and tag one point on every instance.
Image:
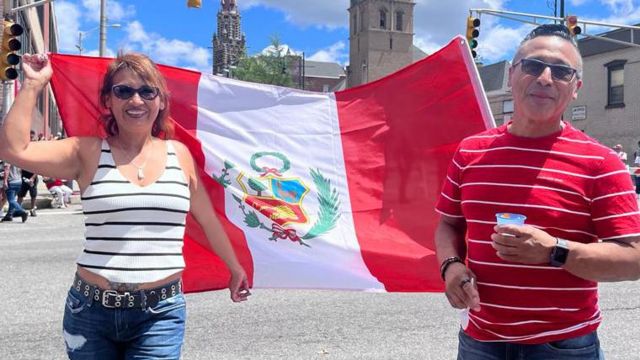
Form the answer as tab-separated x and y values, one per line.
448	261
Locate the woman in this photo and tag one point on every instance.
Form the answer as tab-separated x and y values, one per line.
126	300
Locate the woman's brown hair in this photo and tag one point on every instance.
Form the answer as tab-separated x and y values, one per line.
148	71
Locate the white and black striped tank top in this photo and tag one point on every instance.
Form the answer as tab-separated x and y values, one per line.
134	234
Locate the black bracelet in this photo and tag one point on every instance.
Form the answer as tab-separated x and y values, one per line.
448	261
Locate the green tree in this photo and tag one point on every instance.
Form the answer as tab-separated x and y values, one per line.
270	67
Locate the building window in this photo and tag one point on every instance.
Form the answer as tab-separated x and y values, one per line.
399	24
325	88
390	43
507	106
383	19
615	83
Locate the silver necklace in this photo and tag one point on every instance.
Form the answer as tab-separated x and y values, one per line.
141	167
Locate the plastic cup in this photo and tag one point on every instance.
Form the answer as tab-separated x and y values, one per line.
510	218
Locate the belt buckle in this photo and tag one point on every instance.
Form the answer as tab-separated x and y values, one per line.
108	294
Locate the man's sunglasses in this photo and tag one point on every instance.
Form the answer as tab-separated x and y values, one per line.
125	92
535	67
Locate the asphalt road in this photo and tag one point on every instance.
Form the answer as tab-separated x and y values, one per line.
37	259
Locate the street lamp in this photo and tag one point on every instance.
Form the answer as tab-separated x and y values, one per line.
82	34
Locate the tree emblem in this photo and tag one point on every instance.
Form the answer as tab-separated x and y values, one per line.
280	199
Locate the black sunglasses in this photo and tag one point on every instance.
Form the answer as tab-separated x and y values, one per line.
535	67
125	92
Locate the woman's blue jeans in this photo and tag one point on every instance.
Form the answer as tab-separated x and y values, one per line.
92	331
585	347
12	195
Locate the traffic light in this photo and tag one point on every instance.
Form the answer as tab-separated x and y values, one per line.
194	3
8	58
572	25
472	33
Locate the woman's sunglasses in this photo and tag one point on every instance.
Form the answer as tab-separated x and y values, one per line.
535	67
125	92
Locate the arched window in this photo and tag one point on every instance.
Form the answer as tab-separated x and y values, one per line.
399	21
383	18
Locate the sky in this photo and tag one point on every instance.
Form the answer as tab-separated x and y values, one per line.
173	34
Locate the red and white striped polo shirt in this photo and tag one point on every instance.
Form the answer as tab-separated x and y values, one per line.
568	185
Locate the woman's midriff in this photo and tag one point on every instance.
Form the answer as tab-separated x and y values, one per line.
105	284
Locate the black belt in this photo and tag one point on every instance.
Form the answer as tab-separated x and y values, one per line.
126	299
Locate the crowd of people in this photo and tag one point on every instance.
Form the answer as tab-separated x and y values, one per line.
17	183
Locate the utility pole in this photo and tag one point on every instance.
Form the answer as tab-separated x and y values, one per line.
103	27
562	10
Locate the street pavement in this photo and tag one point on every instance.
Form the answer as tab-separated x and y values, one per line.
38	260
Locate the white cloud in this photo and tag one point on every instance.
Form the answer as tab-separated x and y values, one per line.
619	7
578	2
334	53
115	11
68	21
166	51
323	14
501	42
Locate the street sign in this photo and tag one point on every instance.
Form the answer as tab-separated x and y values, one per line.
579	112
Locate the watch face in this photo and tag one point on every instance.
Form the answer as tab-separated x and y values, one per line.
560	253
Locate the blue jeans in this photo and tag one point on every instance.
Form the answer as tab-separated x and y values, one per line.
585	347
92	331
12	194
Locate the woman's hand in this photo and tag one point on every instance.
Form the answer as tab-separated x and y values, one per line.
239	285
37	70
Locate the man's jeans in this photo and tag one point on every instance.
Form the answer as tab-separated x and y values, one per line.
92	331
585	347
12	194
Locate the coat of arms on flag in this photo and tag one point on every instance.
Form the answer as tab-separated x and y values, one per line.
279	199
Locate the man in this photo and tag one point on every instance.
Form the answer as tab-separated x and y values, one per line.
621	154
12	182
530	291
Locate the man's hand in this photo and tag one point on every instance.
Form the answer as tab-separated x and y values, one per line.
461	288
522	244
239	285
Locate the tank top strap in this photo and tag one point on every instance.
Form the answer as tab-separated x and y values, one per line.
106	156
172	156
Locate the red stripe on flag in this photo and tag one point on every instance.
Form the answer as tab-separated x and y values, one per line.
76	84
399	134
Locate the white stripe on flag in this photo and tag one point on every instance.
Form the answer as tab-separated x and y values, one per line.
238	121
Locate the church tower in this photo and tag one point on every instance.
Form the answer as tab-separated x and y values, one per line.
380	38
229	41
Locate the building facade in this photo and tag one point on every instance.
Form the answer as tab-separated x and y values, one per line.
380	39
606	107
495	78
229	41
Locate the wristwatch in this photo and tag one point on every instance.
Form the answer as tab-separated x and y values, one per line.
559	253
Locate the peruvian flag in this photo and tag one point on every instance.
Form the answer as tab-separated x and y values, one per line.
315	190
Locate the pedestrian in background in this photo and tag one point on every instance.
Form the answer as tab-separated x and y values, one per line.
531	291
29	185
12	183
137	187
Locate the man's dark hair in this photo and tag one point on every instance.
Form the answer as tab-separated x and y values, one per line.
551	30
